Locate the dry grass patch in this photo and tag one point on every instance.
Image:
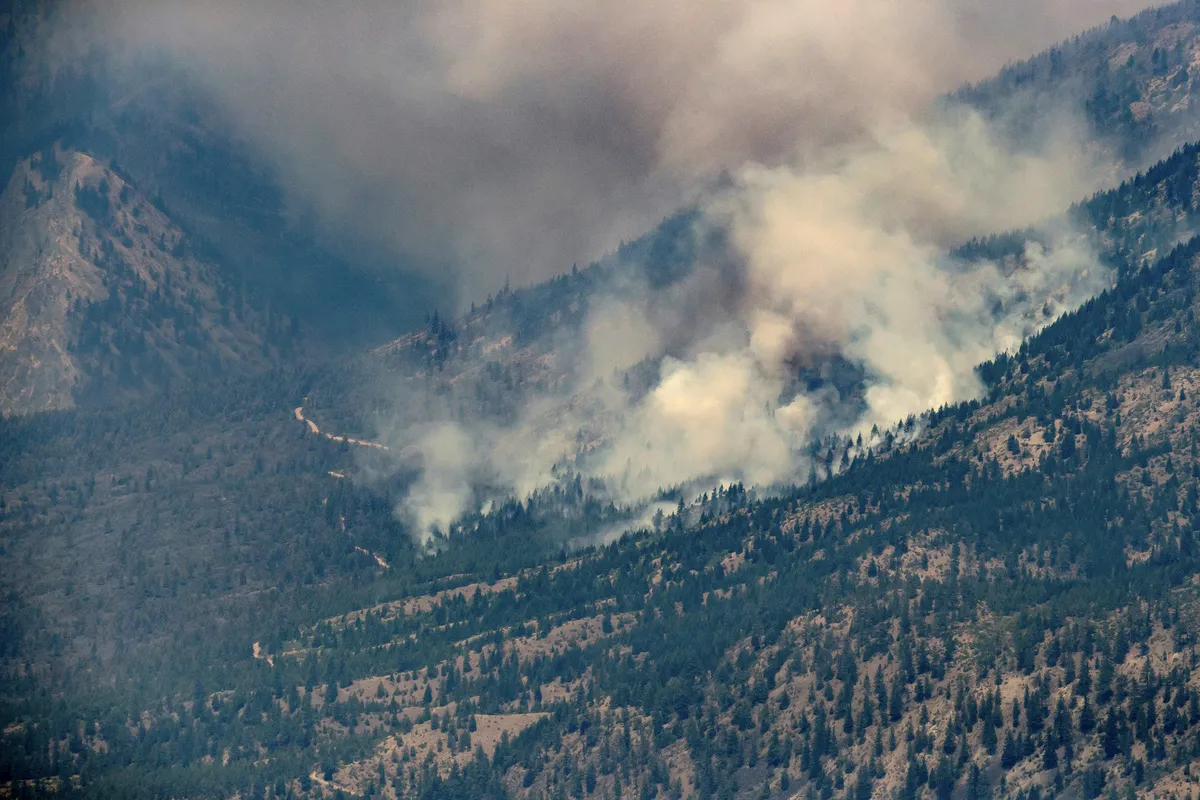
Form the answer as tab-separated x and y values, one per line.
427	744
421	604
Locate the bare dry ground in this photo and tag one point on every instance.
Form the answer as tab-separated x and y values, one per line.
421	604
449	743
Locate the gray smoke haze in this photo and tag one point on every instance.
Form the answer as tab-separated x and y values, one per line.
515	137
507	139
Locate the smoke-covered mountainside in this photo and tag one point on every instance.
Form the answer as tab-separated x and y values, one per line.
174	141
211	598
874	473
1133	79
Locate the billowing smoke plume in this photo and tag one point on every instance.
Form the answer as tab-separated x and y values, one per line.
515	137
851	257
844	260
509	138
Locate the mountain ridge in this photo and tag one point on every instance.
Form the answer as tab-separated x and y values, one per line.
102	290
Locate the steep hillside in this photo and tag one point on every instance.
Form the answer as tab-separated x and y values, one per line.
997	599
1131	81
1129	226
102	296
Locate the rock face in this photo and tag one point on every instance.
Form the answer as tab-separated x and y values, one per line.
102	296
42	273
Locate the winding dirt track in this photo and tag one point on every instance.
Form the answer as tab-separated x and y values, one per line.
335	437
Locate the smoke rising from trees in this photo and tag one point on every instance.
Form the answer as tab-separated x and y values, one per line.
508	139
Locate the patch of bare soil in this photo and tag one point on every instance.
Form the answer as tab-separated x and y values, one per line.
451	742
421	604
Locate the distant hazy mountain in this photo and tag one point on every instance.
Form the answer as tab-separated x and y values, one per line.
155	128
102	296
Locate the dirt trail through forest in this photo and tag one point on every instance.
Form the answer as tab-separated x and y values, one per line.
335	437
313	428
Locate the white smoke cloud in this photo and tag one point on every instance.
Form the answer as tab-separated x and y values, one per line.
847	260
711	416
852	256
444	489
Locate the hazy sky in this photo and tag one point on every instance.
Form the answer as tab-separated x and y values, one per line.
511	138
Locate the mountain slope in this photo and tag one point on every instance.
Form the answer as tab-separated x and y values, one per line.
101	296
38	288
1130	81
1002	607
60	88
998	601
